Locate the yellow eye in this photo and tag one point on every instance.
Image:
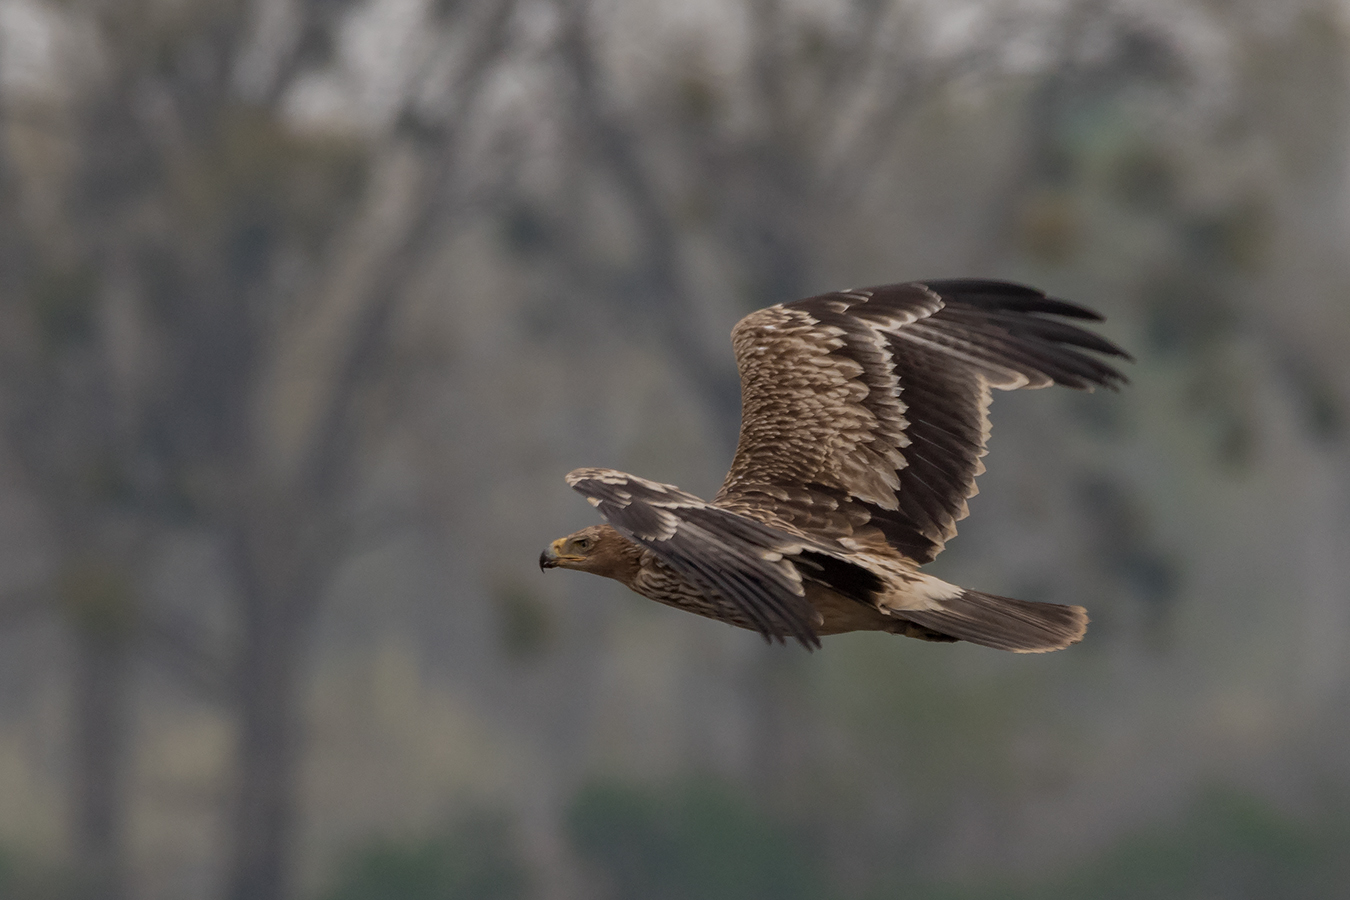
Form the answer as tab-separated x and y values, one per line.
582	543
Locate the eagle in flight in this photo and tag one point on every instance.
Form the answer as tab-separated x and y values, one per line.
864	415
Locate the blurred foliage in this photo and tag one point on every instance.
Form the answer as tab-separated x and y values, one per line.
1230	844
1196	292
99	598
702	840
1323	413
525	230
1144	179
1186	310
1123	540
63	304
699	840
951	723
1048	230
22	878
525	627
251	171
476	858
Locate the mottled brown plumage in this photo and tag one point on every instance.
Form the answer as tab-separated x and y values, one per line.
864	419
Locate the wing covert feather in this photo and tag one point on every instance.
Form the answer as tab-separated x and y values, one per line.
865	412
732	559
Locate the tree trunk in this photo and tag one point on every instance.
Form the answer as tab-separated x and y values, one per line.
100	707
267	754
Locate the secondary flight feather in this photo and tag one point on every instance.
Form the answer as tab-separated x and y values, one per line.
864	418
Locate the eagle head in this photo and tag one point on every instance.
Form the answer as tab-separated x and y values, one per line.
598	549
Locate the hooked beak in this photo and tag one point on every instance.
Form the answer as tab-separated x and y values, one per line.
548	560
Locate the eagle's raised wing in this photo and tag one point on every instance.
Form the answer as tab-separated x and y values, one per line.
865	412
732	559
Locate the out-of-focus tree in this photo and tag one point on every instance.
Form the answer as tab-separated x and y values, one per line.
198	302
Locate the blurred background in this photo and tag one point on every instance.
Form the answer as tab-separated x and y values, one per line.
306	306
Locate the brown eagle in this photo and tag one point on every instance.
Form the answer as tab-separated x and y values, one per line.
864	414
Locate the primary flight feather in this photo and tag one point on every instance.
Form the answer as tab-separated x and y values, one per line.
864	415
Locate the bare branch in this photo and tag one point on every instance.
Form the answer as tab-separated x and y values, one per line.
408	210
667	299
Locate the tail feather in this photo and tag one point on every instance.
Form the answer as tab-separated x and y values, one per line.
1003	623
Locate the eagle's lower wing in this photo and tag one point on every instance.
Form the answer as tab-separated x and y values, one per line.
731	558
865	412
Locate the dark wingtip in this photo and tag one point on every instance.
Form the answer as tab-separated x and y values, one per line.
983	293
1034	321
1060	307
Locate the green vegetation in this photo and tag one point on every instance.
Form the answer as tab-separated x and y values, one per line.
700	840
1229	845
475	859
524	627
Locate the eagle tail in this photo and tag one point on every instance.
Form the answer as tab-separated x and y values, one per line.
1002	622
